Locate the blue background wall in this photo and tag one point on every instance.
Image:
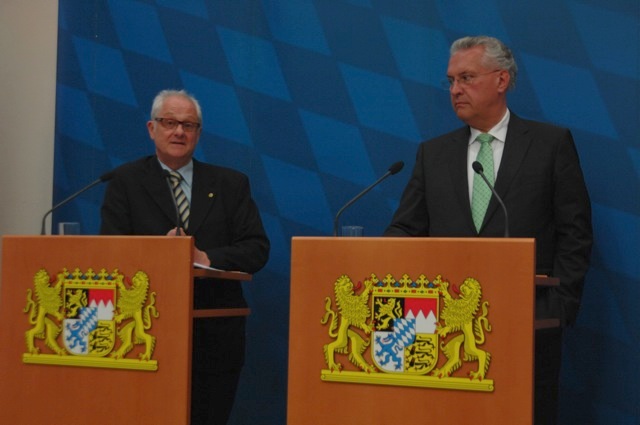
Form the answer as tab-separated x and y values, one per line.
314	99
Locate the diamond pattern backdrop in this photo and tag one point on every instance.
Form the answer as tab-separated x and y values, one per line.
315	99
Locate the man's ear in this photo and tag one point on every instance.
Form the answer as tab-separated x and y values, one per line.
151	127
504	80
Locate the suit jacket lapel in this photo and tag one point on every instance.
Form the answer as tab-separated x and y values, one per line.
203	194
458	171
515	148
156	184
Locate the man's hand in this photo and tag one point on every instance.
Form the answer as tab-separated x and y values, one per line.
174	231
199	257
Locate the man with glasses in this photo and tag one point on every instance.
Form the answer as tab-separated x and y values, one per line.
218	211
535	170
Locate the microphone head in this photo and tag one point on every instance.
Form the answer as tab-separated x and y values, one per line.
107	176
395	168
477	167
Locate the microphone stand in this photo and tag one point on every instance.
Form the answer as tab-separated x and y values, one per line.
479	169
167	176
392	170
103	178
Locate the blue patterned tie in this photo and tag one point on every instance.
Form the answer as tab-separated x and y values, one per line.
181	198
481	193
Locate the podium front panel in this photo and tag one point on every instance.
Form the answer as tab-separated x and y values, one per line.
137	390
319	393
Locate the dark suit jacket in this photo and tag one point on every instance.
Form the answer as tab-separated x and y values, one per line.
224	222
542	186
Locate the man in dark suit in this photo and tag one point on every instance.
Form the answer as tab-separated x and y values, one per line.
537	173
225	223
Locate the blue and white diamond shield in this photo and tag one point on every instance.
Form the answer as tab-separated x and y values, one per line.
405	340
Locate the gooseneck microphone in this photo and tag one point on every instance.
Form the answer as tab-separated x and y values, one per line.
103	178
168	178
477	167
394	169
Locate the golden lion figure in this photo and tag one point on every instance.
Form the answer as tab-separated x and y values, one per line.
49	303
75	301
130	305
459	316
387	312
353	310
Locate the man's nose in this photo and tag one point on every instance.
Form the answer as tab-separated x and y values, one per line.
179	129
455	86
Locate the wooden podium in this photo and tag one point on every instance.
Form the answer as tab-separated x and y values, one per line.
54	276
412	267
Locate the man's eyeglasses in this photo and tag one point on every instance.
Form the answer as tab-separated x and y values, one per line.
171	124
465	79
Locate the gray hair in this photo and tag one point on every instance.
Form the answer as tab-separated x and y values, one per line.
158	102
496	53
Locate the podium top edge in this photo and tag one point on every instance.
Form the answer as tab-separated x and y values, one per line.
95	236
410	238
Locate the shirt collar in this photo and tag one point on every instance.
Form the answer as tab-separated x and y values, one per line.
499	131
186	172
